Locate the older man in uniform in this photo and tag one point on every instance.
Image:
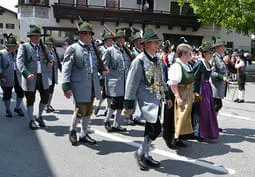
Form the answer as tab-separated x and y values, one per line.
33	62
219	75
10	77
145	83
79	72
108	41
118	60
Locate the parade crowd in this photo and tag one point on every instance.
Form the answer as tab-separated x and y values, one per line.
148	80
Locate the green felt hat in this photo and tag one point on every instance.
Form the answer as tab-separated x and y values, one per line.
10	40
149	35
120	33
34	31
207	47
218	42
136	35
49	41
107	36
85	27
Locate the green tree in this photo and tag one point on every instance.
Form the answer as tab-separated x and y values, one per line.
234	15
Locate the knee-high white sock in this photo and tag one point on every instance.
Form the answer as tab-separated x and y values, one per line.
116	121
75	121
242	94
142	149
41	108
49	101
18	102
85	124
147	148
30	111
108	102
239	94
109	114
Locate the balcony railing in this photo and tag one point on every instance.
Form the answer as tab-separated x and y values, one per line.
123	15
33	2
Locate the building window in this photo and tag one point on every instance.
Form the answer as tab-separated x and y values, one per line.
9	26
175	8
230	45
181	10
35	2
82	2
113	3
1	25
1	41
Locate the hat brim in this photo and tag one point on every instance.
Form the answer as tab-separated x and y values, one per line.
34	34
220	44
92	33
159	40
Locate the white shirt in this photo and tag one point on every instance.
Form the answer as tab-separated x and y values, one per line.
175	72
39	67
90	58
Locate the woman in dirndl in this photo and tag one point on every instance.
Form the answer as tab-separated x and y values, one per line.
180	80
204	118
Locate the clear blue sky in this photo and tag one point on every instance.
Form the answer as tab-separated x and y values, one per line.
9	4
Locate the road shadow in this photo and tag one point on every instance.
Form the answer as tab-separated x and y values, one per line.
106	147
176	168
57	130
50	117
63	111
21	152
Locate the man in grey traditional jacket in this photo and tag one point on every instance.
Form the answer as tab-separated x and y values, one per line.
10	76
33	62
80	80
117	58
108	41
53	71
219	75
145	83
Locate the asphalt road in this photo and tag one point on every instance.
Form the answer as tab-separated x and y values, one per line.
47	152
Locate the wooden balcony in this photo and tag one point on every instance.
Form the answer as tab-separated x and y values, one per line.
123	15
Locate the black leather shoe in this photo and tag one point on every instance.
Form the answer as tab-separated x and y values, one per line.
236	100
117	129
8	113
141	162
107	125
171	144
49	109
73	138
105	113
32	125
40	122
19	112
240	101
96	111
151	162
180	143
87	140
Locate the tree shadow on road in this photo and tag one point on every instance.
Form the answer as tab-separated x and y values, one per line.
63	111
176	167
105	147
21	152
57	130
218	146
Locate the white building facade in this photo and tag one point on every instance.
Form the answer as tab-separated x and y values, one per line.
9	23
166	17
